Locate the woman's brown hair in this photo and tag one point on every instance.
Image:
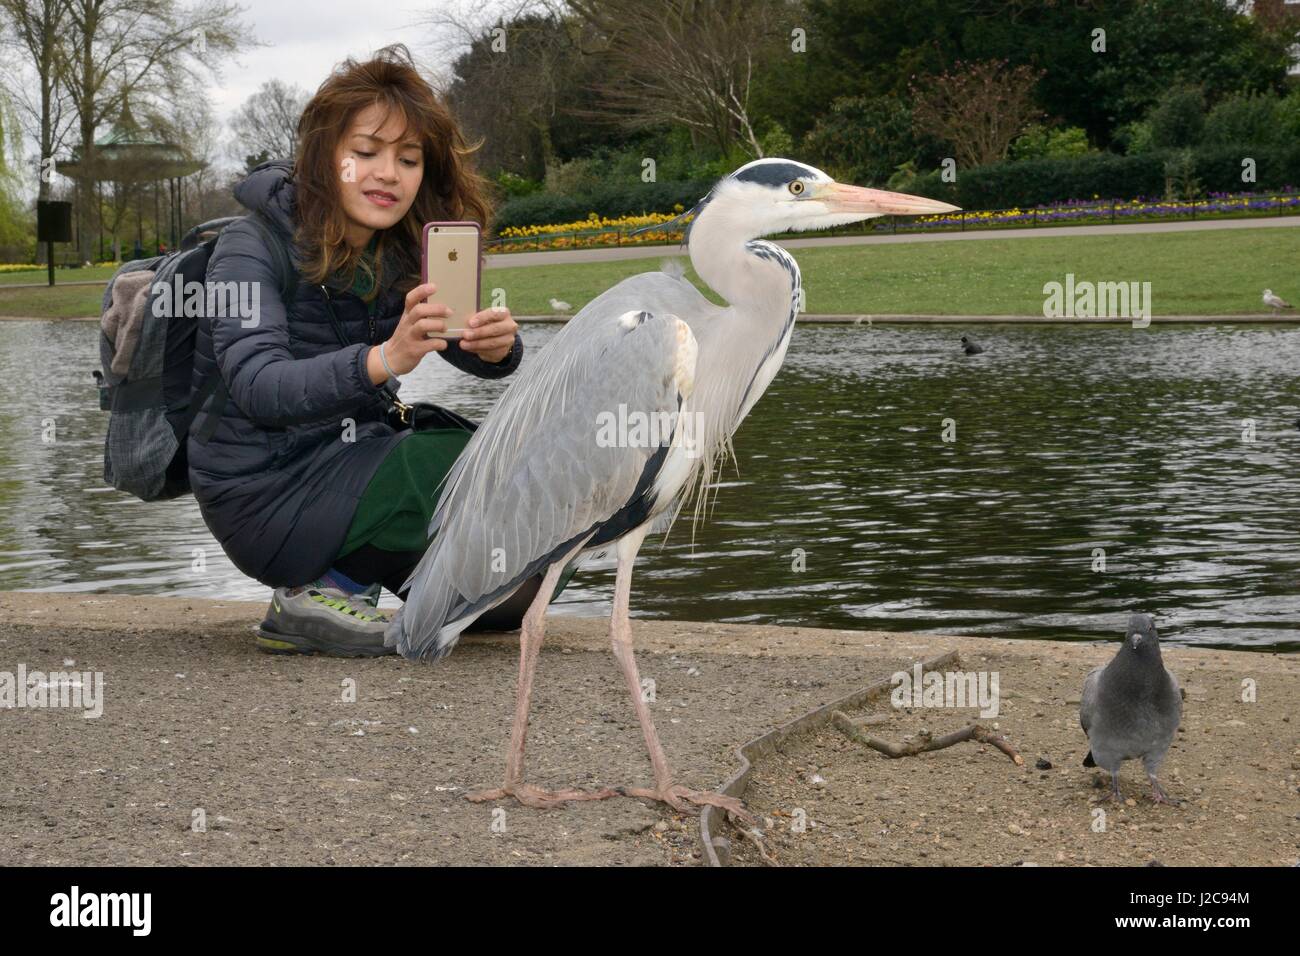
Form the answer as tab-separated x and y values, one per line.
450	189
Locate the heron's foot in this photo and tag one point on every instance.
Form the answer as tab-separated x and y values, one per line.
538	798
675	795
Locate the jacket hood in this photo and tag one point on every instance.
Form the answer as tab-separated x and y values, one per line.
268	189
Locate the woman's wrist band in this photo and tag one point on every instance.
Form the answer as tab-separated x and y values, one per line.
384	359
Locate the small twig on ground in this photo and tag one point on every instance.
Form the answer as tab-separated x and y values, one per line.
925	742
753	837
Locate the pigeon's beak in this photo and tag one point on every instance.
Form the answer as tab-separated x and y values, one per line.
839	198
1135	640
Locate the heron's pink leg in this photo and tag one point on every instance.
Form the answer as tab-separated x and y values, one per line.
531	633
620	626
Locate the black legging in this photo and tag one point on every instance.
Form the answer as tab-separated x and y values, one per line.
368	565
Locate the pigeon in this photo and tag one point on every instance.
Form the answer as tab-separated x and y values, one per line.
1131	708
560	306
970	346
1275	302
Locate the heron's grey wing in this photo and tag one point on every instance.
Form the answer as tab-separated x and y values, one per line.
1088	700
542	474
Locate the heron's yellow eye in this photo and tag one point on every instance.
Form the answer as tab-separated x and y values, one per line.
796	187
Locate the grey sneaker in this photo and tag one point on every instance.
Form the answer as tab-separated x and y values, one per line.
310	620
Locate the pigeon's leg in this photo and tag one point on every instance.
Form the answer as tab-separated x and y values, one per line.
532	631
1158	793
664	789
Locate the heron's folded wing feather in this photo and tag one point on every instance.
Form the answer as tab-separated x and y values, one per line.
539	472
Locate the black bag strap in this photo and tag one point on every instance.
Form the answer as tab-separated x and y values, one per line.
284	265
335	322
214	384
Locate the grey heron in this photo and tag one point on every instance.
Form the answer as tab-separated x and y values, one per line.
569	461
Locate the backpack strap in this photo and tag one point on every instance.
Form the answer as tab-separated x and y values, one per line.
214	384
284	266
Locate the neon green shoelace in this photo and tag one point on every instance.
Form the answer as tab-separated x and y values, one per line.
343	606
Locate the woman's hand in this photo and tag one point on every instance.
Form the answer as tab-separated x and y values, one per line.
410	342
491	334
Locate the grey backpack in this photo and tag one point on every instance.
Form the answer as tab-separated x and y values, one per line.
146	350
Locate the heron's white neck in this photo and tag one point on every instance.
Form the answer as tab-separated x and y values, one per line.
758	278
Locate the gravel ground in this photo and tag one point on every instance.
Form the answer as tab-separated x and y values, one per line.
282	769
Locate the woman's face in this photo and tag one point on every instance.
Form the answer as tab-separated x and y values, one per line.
380	169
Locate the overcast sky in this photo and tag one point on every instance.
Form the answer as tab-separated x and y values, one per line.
306	38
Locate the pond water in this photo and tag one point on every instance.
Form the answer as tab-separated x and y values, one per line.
849	510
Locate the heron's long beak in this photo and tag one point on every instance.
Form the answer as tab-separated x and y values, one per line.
849	199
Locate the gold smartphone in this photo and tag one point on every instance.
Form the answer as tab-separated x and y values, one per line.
451	259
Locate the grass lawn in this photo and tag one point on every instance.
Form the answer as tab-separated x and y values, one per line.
60	275
1192	273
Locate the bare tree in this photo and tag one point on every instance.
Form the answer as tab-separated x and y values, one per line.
189	121
977	108
687	62
116	48
266	124
508	68
35	29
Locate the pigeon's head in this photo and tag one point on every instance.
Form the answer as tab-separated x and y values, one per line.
1141	635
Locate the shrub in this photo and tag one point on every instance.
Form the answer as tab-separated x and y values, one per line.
1039	142
513	185
1244	120
1134	138
1181	181
575	177
862	139
1107	176
1288	116
776	141
1178	118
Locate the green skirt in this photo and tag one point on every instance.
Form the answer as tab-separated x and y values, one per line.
399	502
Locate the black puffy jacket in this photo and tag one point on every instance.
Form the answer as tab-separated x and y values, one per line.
276	483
